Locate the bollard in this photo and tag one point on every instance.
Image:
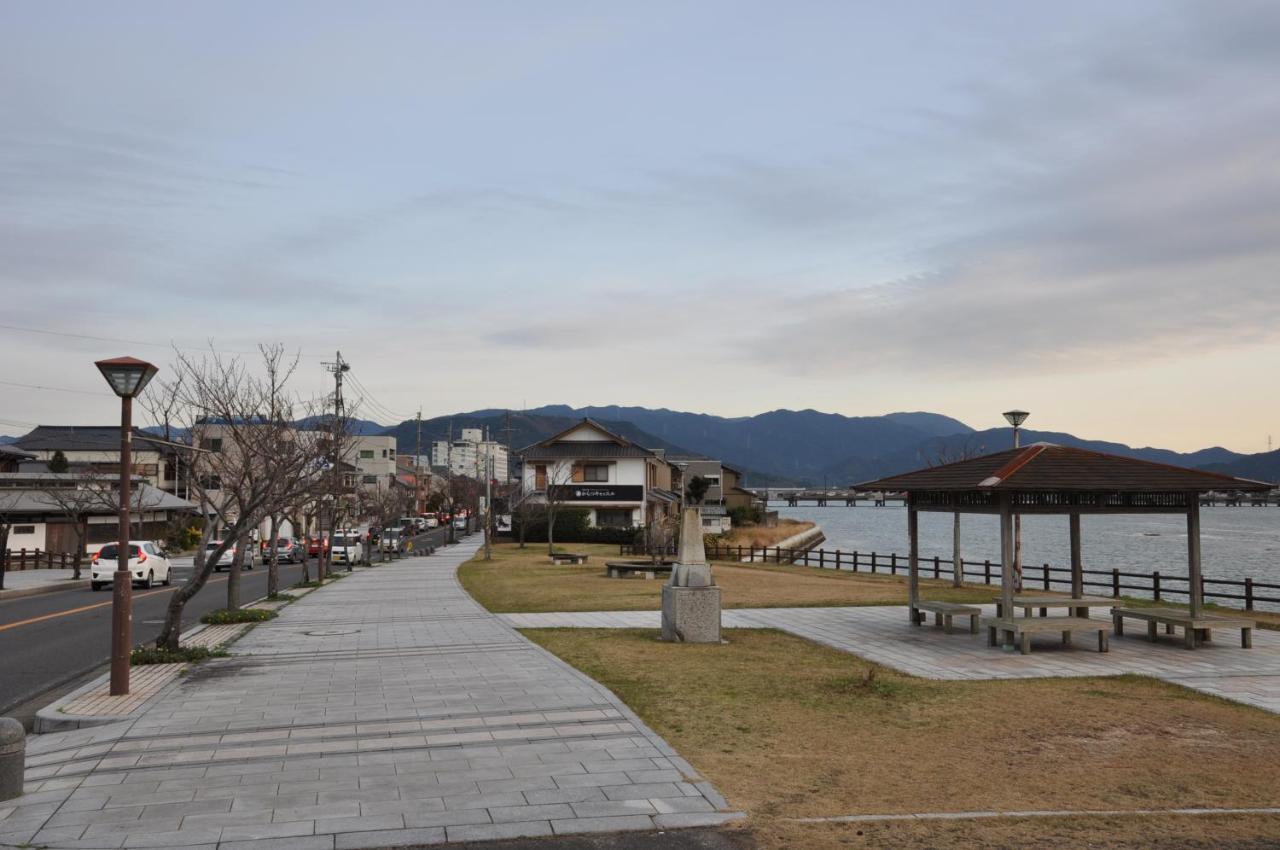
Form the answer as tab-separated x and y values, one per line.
13	751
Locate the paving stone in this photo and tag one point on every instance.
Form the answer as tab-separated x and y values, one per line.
360	824
390	838
606	824
498	831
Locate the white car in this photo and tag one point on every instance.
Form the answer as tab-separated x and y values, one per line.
228	557
346	549
148	564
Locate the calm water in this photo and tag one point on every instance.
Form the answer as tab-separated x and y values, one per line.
1235	542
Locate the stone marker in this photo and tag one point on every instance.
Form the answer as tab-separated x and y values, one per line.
691	599
13	752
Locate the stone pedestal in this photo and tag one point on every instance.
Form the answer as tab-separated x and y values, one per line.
691	614
691	600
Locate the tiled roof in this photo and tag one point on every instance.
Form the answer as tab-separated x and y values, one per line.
1045	467
571	450
82	438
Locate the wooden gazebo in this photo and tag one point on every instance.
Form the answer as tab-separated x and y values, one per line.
1051	479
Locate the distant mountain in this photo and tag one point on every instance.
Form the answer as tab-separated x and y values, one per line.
360	427
4	441
1264	466
527	428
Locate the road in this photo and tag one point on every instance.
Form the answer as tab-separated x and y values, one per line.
52	638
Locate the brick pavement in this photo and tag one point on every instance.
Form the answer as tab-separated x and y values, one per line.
883	635
383	710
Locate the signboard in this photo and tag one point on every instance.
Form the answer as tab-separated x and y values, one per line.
600	492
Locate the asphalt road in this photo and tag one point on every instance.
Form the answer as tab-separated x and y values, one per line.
52	638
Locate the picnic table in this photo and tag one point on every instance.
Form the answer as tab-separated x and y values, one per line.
1078	605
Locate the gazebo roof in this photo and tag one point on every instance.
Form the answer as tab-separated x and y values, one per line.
1049	468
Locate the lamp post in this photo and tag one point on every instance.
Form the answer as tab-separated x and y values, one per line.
1016	418
127	377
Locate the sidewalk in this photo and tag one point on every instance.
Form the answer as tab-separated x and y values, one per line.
386	709
883	634
19	583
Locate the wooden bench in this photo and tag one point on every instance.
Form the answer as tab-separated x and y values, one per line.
943	612
569	558
1194	630
648	571
1077	606
1022	628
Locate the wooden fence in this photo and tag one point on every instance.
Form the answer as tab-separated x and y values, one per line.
35	559
1155	585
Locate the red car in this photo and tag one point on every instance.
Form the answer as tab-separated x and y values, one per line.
316	544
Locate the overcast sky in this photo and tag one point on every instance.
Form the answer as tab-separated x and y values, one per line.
720	207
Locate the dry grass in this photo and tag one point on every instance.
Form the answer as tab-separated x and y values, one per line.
790	729
761	535
522	580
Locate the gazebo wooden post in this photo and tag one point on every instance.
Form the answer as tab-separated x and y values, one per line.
913	560
1006	565
957	561
1193	553
1077	564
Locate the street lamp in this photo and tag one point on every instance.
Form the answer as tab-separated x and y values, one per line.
127	377
1016	418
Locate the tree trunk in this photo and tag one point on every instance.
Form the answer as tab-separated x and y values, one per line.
524	520
169	634
273	566
551	532
233	577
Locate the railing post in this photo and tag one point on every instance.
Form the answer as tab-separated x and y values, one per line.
1115	583
1155	585
986	571
855	560
893	563
1248	594
1046	576
22	558
822	560
751	552
936	572
873	562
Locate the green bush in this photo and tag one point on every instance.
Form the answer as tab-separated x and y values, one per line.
744	515
571	527
154	655
223	616
181	535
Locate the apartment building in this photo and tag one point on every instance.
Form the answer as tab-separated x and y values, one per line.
471	455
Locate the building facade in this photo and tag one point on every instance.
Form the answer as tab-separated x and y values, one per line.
96	449
620	484
471	455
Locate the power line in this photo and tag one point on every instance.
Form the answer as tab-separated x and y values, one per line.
376	406
52	389
171	345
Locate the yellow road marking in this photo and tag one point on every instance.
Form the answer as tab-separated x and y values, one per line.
84	608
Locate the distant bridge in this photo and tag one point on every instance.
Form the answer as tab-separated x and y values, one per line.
794	497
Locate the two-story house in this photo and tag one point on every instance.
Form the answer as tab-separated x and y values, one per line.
96	449
620	484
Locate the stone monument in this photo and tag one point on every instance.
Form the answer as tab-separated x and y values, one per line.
691	599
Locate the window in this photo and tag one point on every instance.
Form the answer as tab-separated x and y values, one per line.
366	454
393	452
540	477
370	479
613	518
597	472
384	452
712	480
213	444
24	529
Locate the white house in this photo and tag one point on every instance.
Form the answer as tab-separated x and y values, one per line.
621	484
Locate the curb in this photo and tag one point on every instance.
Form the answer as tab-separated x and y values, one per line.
43	588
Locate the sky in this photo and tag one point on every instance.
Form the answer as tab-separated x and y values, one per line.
723	207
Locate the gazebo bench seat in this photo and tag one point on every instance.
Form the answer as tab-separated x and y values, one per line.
1023	627
943	613
1195	629
616	569
569	558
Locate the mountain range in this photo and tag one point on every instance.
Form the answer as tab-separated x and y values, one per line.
796	447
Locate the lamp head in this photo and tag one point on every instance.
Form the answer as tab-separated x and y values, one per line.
1016	417
127	376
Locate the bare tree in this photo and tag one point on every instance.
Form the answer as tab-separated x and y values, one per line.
559	477
234	459
75	497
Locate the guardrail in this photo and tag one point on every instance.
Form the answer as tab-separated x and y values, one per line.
36	559
1157	585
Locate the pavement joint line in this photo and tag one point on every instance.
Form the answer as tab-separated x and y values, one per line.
1037	813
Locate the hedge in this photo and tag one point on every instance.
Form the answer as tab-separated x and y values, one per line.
572	527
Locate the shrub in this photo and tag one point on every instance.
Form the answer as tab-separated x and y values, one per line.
223	616
744	514
154	655
571	527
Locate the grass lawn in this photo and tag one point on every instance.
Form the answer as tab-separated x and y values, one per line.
789	729
522	580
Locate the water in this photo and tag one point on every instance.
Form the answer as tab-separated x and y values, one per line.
1235	543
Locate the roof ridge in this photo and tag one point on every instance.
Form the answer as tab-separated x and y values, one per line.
1024	457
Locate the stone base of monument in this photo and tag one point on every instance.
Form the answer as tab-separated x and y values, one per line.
691	614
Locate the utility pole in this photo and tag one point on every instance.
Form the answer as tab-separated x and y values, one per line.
488	504
337	367
417	466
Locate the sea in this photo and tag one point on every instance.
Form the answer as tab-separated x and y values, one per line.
1235	543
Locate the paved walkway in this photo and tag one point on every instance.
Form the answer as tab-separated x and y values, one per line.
386	709
24	582
884	635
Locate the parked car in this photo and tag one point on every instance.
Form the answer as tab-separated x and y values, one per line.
431	522
228	557
148	563
288	549
316	545
460	523
347	549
